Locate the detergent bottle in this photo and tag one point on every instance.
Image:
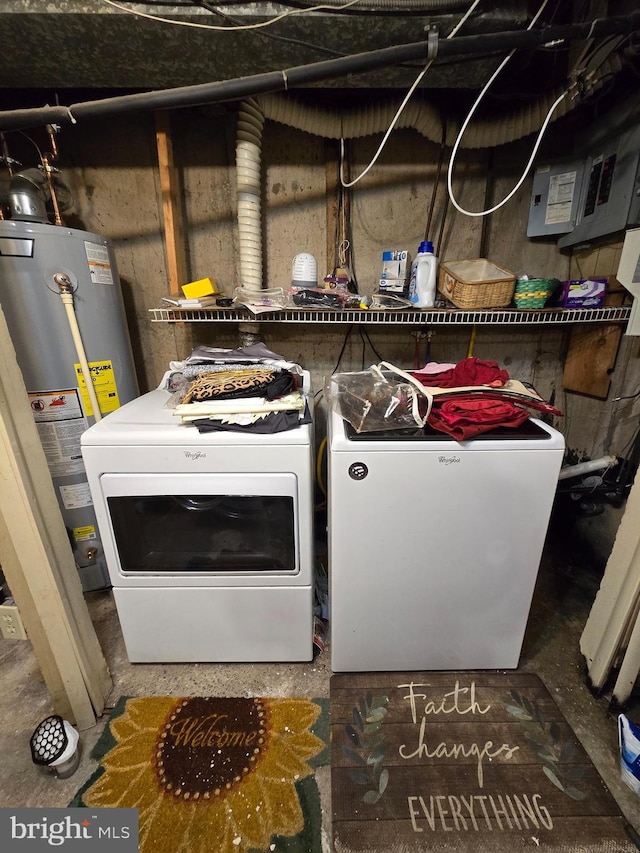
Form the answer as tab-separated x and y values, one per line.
422	284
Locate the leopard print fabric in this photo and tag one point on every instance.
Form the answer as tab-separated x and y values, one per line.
208	386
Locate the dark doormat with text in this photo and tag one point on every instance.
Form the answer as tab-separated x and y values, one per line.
464	762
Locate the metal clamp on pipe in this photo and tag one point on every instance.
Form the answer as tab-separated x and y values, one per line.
432	42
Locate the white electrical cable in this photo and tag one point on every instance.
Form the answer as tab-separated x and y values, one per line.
465	123
236	28
374	160
405	100
523	177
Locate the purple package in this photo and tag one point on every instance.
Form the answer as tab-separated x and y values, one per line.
581	293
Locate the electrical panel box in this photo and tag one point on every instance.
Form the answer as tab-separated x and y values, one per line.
597	191
554	198
590	198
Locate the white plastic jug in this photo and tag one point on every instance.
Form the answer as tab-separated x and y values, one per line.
422	284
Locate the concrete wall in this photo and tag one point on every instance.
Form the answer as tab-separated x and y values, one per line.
111	168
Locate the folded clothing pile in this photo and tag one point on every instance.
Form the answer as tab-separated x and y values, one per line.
475	396
249	389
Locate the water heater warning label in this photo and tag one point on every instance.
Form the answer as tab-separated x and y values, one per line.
86	532
99	263
76	496
104	383
60	422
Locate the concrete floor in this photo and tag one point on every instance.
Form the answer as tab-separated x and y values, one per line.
565	591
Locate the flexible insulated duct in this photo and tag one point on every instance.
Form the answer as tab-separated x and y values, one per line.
248	173
421	117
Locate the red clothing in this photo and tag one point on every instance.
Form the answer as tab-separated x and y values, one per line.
469	371
464	419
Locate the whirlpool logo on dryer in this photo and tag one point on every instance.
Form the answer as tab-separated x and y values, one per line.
195	454
449	460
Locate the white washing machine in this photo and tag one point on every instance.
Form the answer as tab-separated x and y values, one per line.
208	538
435	545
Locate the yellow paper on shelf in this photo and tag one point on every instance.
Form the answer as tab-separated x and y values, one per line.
202	287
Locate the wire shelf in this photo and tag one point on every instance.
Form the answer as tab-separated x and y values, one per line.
433	317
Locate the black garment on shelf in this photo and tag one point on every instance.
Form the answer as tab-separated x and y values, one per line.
272	423
283	382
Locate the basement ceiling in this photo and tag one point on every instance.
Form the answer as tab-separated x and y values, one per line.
62	44
72	51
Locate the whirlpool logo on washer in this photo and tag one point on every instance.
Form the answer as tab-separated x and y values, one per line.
358	470
195	454
449	460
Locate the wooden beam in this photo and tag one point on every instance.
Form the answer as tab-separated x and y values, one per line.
171	208
593	349
37	560
614	610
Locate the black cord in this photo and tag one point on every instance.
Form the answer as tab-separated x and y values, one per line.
369	341
445	211
354	11
627	397
629	443
298	42
32	141
340	200
436	183
344	346
264	34
488	189
457	60
185	3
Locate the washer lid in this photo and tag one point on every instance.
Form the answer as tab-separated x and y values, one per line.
530	430
532	435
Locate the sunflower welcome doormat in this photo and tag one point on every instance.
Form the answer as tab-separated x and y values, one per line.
214	774
462	762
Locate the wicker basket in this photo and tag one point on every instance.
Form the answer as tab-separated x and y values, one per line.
476	284
534	292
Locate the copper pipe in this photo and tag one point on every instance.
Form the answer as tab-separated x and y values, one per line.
48	170
51	130
5	153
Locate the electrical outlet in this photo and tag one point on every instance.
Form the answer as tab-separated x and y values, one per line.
10	623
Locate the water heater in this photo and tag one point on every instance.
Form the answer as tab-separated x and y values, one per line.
33	257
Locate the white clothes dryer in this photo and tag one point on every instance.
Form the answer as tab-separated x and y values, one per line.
208	538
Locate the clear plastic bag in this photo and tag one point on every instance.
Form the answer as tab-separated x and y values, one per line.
380	398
